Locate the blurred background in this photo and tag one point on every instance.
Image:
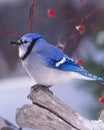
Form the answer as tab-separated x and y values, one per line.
86	44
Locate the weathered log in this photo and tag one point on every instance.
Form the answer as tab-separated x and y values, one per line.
47	112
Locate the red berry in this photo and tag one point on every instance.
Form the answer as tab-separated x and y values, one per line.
79	61
101	100
51	12
81	28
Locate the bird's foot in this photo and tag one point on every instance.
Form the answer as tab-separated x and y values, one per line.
38	87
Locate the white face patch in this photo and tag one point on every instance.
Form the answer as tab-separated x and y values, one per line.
61	62
24	47
22	50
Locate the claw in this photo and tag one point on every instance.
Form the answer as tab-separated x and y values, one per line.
38	87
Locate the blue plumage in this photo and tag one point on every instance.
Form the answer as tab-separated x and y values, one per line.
32	36
65	63
87	74
55	58
47	64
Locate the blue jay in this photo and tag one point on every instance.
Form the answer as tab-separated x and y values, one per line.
47	64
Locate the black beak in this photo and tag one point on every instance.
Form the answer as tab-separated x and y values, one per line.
12	43
15	43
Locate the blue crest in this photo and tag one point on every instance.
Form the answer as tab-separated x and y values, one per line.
34	35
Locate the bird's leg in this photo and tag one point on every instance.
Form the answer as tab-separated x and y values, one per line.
37	87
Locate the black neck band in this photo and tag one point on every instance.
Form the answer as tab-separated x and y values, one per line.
29	49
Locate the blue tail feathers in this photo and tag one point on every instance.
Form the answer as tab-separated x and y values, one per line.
92	77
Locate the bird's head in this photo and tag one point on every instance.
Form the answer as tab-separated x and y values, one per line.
26	43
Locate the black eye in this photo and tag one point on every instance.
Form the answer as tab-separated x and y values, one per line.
25	41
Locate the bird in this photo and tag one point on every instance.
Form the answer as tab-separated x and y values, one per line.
47	64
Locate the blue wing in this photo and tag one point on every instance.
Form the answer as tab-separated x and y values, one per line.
55	58
65	63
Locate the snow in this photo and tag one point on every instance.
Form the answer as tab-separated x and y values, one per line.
90	124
